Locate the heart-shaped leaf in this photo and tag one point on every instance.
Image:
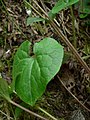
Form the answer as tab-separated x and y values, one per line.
31	74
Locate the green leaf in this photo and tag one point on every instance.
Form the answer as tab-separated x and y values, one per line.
18	110
51	15
86	48
22	53
62	4
31	20
83	15
4	90
31	74
84	6
86	57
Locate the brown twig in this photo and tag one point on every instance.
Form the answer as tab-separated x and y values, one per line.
32	113
65	39
73	95
5	114
42	3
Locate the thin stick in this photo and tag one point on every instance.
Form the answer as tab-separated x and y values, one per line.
66	41
73	95
53	118
12	102
5	114
33	8
42	2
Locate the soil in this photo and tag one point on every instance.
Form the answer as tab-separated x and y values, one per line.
56	100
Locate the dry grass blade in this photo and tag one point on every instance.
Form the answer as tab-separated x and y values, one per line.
66	41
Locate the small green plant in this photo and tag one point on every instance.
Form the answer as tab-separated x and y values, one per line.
31	73
62	4
33	67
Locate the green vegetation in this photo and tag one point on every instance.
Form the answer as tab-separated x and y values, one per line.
40	44
32	73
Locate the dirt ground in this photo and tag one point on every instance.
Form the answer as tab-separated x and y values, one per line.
56	100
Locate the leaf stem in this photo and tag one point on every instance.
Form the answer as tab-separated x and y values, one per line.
47	113
25	109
